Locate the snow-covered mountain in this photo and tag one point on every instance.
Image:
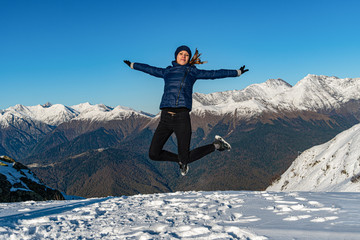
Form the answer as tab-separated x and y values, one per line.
21	127
333	166
56	114
313	93
49	114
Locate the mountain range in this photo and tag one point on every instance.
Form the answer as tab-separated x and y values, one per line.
84	149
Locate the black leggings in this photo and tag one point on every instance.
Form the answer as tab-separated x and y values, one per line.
179	124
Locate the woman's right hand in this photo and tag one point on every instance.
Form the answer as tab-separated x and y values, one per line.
127	62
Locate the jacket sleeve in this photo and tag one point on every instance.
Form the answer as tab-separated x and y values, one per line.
214	74
154	71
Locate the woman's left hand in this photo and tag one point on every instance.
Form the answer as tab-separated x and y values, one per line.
243	70
127	62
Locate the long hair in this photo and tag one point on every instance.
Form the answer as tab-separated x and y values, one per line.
196	58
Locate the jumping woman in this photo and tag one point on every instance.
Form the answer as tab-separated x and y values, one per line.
176	105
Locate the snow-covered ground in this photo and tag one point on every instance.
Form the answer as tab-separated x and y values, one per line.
188	215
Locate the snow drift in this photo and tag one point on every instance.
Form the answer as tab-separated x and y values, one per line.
187	215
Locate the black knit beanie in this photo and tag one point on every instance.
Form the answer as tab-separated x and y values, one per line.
183	48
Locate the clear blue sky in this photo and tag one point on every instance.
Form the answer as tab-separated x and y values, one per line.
71	51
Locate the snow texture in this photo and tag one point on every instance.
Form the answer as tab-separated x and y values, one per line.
187	215
333	166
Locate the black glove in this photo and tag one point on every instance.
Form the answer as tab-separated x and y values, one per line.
243	70
127	62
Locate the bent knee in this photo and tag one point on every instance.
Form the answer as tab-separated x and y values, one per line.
154	156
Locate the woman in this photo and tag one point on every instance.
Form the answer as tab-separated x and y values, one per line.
176	105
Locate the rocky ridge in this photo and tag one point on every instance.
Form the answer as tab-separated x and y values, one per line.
19	183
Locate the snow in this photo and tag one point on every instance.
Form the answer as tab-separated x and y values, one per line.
187	215
332	166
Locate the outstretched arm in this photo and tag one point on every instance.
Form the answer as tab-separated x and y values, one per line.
154	71
222	73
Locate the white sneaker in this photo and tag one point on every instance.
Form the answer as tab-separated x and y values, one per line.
221	144
184	168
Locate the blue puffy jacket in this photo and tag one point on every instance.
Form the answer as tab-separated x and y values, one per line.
178	90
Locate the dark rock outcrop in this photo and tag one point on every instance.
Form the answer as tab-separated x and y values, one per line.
18	183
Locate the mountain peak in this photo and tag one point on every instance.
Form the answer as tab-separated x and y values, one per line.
277	82
318	80
314	76
46	105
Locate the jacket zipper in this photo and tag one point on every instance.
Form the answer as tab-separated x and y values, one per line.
181	84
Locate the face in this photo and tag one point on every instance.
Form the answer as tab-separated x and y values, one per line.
182	58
